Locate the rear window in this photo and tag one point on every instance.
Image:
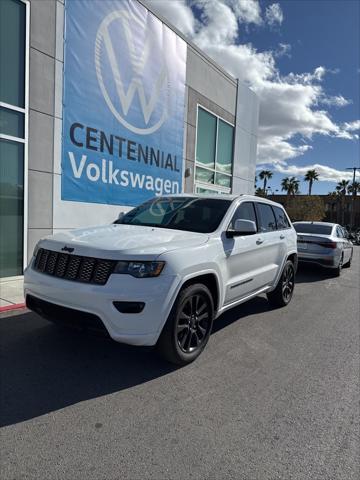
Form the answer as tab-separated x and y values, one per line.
267	218
313	228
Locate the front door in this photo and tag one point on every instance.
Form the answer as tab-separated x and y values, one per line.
244	258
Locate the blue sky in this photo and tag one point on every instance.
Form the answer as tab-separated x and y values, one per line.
321	32
302	58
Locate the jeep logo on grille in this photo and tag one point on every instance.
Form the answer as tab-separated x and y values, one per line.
67	249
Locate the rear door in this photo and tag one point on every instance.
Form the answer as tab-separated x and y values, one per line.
284	228
344	244
271	243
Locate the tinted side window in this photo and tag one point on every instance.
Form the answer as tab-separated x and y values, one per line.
281	219
267	222
245	211
339	232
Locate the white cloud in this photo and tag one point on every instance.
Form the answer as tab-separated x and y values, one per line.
292	107
352	126
177	12
335	101
326	174
219	24
247	11
274	14
283	50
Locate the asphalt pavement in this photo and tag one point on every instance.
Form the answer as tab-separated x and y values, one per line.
275	395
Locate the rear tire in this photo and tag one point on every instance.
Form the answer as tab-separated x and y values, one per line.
188	327
337	270
282	295
348	264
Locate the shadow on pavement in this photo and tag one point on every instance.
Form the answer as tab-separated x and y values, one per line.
308	273
45	368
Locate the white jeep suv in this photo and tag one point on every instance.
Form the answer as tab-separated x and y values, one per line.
165	270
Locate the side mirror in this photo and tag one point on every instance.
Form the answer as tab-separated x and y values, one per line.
120	217
242	227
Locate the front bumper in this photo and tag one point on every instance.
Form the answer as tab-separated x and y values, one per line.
142	328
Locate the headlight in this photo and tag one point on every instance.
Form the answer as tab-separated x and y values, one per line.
140	269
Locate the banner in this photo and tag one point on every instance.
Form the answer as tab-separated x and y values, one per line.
123	104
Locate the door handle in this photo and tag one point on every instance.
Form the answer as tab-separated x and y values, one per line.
282	236
259	241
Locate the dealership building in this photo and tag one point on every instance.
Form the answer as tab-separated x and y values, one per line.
103	105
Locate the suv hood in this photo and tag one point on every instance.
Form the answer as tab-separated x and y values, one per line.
123	241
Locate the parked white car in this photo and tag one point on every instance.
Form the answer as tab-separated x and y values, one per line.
325	244
165	270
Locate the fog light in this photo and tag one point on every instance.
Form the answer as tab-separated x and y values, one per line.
129	307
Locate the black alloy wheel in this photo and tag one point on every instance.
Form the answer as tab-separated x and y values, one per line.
288	282
188	326
282	294
194	322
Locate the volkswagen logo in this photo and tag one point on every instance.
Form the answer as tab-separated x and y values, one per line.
118	58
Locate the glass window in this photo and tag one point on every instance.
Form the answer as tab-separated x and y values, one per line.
214	138
224	153
339	232
203	175
245	211
313	228
12	122
223	180
191	214
12	52
206	138
281	218
11	208
267	222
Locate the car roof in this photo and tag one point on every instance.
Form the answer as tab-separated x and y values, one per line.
252	198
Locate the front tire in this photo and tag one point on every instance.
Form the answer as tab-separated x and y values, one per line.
282	295
188	327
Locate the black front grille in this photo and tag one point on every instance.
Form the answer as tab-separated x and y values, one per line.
74	267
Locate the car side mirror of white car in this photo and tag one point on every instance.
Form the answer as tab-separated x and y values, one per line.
120	217
242	227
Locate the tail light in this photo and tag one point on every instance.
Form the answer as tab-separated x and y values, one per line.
327	244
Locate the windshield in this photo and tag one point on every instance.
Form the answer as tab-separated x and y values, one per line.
313	228
193	214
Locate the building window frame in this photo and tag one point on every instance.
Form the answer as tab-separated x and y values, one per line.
24	140
213	186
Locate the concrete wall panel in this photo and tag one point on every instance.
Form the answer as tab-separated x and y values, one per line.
42	84
42	26
40	199
41	133
206	79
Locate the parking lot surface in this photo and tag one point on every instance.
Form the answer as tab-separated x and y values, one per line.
274	396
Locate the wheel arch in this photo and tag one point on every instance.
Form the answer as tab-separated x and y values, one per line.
294	258
210	280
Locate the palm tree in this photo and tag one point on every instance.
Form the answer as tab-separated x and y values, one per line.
265	175
259	192
311	176
290	185
354	188
342	186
